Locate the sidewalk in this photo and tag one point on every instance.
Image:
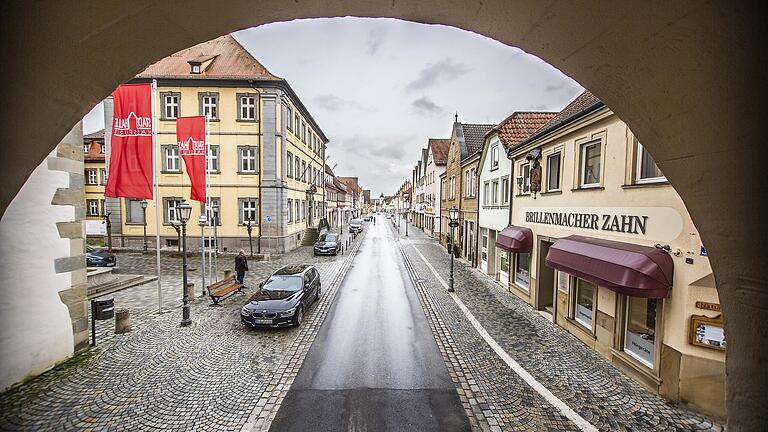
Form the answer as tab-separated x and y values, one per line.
500	398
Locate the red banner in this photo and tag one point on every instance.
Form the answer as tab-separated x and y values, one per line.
130	161
190	136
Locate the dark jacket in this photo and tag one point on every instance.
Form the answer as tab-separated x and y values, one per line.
241	263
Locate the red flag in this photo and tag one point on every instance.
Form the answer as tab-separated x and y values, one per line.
130	162
190	136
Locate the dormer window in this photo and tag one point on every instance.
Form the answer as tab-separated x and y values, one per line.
200	64
195	68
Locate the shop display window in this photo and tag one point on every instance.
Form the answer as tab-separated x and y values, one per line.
585	303
522	270
640	329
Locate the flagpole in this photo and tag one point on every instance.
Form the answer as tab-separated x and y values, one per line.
209	202
156	182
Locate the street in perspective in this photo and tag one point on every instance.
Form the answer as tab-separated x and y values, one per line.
378	234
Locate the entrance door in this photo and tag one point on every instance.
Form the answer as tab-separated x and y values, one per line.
545	288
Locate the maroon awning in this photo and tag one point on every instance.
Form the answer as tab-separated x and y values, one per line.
515	239
630	269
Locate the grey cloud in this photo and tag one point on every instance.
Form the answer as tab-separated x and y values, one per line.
331	102
375	38
425	106
549	88
444	70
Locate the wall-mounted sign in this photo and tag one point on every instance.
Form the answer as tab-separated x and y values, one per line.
95	227
563	280
651	223
707	332
703	251
269	218
708	306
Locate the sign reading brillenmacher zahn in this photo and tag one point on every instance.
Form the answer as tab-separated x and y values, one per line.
654	223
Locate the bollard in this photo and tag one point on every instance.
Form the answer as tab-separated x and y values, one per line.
122	321
191	290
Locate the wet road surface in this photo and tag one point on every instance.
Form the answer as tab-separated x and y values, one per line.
374	365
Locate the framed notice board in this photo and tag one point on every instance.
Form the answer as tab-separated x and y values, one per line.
707	332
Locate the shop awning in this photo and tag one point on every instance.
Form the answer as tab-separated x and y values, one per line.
630	269
515	239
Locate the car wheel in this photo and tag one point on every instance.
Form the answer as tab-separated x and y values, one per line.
299	316
317	295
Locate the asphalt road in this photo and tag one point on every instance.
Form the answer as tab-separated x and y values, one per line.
374	365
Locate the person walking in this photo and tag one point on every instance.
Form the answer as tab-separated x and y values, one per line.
241	266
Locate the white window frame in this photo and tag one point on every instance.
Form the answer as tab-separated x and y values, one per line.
171	159
494	157
289	168
170	205
486	193
525	286
213	215
583	161
93	207
639	149
657	333
551	157
247	107
289	115
210	104
290	210
504	190
574	304
248	159
171	105
495	192
212	159
103	172
91	176
248	207
525	172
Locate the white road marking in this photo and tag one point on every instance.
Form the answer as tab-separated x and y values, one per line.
515	366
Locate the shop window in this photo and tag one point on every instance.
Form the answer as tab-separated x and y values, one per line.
584	303
503	261
590	164
523	270
640	329
553	172
646	170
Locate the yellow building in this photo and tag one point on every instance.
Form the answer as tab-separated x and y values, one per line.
265	156
95	176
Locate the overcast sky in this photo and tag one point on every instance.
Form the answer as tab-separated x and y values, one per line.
379	88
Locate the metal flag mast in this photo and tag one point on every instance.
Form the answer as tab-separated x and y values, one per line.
209	202
157	197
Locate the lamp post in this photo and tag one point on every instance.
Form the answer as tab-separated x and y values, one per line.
108	222
183	211
248	225
215	217
144	218
202	221
453	215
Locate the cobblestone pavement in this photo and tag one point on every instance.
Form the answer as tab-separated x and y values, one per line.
209	376
498	399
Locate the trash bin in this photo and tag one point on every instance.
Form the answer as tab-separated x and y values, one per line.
103	308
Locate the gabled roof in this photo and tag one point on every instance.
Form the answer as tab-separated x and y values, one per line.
584	104
520	125
471	137
439	147
98	135
230	61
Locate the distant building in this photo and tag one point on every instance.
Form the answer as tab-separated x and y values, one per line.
95	175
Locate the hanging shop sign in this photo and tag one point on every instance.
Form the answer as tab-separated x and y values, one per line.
651	223
707	332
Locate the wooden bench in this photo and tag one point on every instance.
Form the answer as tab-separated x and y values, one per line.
223	288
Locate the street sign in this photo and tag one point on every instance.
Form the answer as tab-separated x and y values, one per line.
269	218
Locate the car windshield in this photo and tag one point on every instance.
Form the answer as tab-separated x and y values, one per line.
328	237
90	249
356	222
283	283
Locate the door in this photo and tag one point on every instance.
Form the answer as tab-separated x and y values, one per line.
484	250
545	287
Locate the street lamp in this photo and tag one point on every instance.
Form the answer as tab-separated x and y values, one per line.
215	218
202	221
144	218
248	225
183	211
453	215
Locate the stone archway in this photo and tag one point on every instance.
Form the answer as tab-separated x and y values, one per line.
686	79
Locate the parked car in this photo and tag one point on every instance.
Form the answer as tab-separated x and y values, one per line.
99	258
328	244
355	225
368	218
283	299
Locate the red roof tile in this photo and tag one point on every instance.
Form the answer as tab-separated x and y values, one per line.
231	61
520	125
440	148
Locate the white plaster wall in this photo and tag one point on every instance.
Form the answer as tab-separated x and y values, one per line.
493	218
35	328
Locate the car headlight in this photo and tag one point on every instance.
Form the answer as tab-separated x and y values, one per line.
288	313
245	311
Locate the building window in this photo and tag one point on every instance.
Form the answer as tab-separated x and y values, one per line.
304	171
647	171
289	173
209	105
590	164
213	211
484	245
290	210
553	172
298	205
486	193
297	174
103	176
495	157
522	270
453	187
91	176
296	124
93	207
504	190
134	212
248	159
525	174
473	179
86	148
171	103
212	159
170	205
495	192
467	184
289	118
249	210
640	328
246	106
503	262
103	148
303	132
171	162
303	210
584	303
